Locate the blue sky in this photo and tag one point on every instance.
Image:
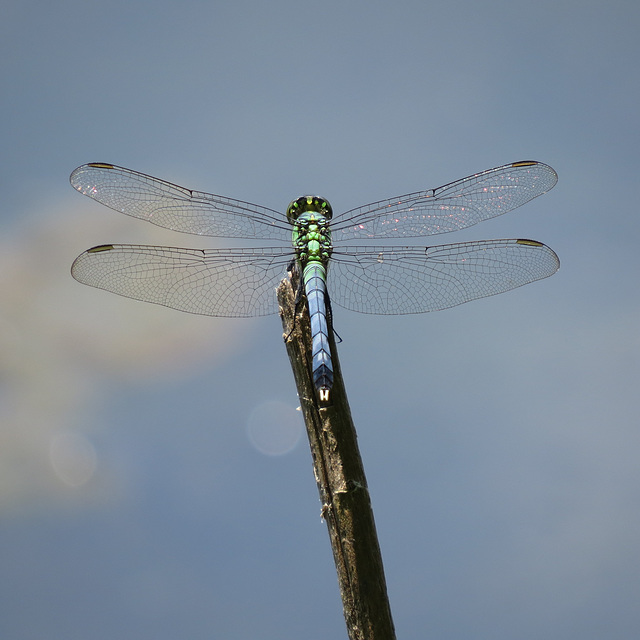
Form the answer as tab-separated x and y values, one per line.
500	438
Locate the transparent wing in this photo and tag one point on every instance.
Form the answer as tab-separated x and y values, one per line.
451	207
399	280
228	283
177	208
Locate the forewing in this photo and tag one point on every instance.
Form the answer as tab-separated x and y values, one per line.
448	208
226	283
173	207
401	280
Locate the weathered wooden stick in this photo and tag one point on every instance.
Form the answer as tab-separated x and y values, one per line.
342	485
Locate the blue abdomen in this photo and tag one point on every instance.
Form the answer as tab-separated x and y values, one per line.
315	290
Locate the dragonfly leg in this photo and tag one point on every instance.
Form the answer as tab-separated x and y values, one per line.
297	302
327	302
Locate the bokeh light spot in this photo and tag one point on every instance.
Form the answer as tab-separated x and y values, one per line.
274	428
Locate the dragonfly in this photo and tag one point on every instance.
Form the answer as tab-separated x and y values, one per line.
377	279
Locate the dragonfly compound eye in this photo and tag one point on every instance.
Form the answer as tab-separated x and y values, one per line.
312	204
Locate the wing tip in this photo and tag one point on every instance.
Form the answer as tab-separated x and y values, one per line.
79	262
534	163
83	167
540	245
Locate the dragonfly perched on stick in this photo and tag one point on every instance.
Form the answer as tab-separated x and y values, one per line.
369	279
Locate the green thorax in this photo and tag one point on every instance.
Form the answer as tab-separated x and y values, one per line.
311	234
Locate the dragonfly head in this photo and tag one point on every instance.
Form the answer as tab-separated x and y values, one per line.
313	204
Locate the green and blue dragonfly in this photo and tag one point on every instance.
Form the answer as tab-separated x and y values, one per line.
369	279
